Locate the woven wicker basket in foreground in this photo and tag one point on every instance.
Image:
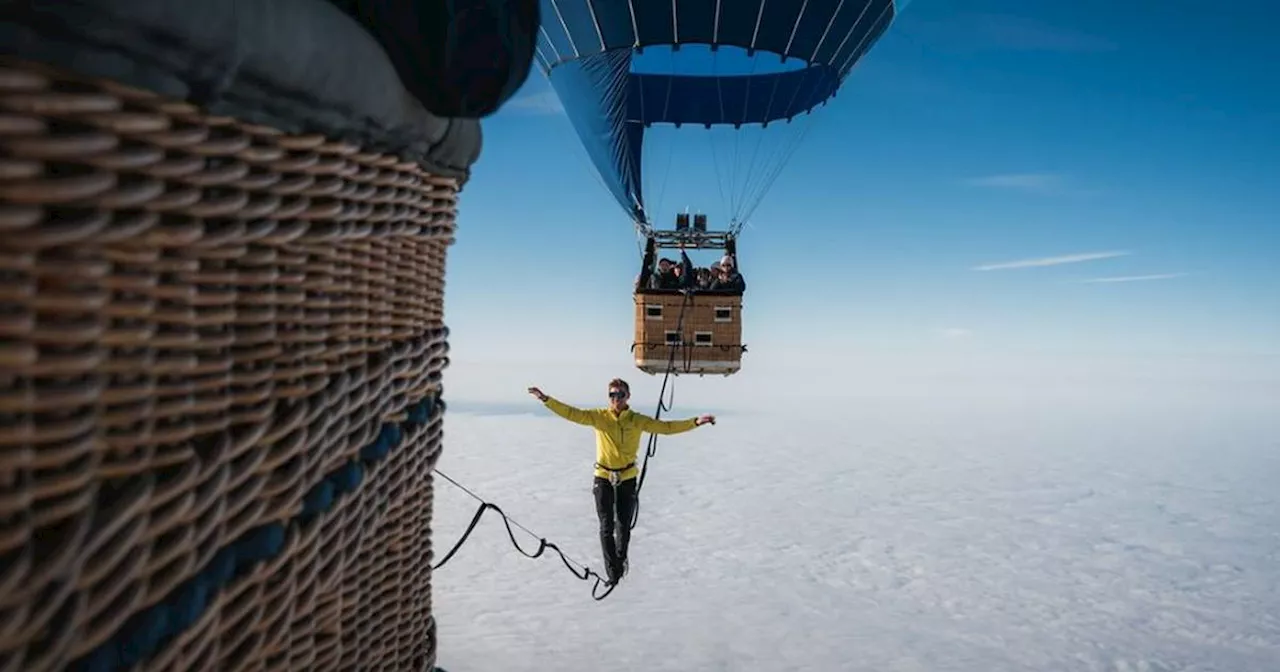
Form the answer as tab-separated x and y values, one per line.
221	349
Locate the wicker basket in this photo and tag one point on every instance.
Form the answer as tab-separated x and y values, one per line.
221	349
696	335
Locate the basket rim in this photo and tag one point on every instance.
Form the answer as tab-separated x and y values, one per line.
230	60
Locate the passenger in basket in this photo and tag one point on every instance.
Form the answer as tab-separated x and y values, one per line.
665	277
704	278
727	277
686	275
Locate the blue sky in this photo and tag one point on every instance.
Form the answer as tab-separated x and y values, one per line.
1127	151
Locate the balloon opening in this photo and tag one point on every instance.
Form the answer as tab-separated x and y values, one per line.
702	60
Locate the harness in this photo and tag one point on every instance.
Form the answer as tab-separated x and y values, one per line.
614	473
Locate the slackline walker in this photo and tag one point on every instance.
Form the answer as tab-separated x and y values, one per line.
616	488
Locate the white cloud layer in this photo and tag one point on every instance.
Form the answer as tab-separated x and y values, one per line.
896	534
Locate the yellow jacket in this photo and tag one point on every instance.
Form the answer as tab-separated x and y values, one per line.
618	435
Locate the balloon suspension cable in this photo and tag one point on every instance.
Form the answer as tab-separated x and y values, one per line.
664	404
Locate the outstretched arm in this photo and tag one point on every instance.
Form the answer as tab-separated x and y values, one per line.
655	426
570	413
565	410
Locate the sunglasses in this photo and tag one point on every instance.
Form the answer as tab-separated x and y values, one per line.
617	395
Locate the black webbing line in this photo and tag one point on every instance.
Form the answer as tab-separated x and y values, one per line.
578	569
663	405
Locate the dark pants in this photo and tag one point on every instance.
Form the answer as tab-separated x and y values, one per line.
614	507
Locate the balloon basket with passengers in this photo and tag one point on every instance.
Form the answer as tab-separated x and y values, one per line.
659	93
688	320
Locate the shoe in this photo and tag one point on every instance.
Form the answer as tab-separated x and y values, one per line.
616	573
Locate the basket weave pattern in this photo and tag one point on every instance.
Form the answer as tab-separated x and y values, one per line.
220	359
696	315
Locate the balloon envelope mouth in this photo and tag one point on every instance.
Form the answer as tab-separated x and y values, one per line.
693	60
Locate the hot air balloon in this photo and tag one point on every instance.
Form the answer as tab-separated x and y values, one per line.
629	71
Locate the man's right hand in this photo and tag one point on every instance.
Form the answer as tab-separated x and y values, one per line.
538	394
